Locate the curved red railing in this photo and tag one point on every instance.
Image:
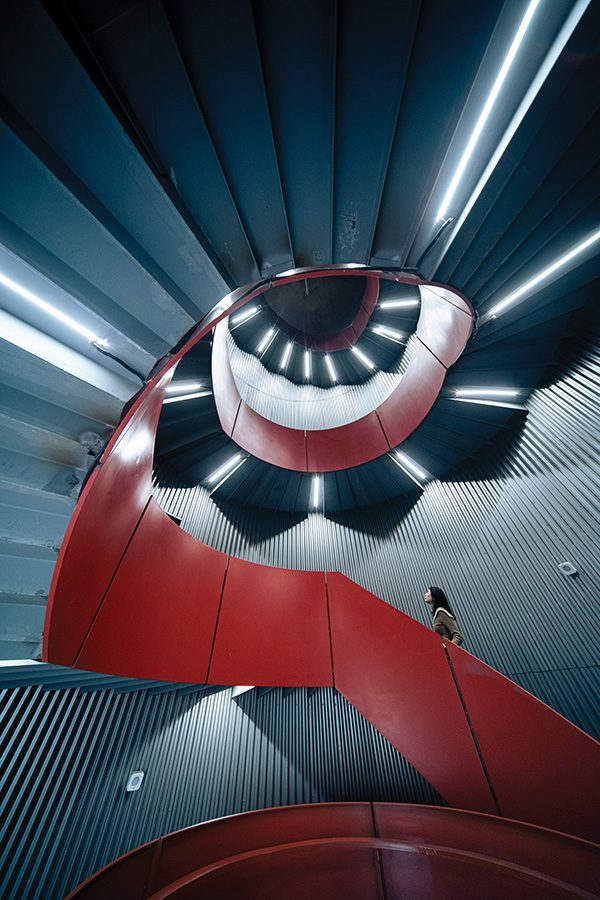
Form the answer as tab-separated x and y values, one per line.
134	595
444	327
353	850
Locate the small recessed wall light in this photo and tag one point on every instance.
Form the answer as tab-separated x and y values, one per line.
134	782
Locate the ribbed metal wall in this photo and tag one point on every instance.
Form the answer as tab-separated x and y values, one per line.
493	538
306	406
66	755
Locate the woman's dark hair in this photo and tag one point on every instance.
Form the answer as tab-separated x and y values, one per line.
439	599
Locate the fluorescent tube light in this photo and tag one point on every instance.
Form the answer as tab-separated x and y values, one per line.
487	108
481	402
51	310
285	356
486	392
330	367
175	387
528	286
307	365
390	333
227	467
363	358
409	467
398	304
246	313
266	340
187	397
315	491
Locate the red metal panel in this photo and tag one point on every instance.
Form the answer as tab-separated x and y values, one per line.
349	335
329	850
346	446
407	406
442	327
159	616
106	515
544	769
536	849
394	671
294	873
267	440
273	628
124	879
192	848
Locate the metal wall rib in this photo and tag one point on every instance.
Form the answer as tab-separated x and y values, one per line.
66	756
492	537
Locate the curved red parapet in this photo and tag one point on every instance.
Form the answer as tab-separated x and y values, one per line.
134	595
367	851
445	325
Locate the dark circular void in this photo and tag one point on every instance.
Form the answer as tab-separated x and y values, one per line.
318	307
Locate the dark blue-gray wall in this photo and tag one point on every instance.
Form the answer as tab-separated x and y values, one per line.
65	756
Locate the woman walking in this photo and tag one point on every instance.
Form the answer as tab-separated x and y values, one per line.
443	617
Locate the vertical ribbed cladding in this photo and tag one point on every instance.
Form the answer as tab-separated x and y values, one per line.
66	756
492	538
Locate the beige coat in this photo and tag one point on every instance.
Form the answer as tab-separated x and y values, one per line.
446	626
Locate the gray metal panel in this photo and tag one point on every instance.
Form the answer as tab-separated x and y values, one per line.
66	756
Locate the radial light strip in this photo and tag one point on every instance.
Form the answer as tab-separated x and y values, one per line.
175	387
51	310
486	392
315	491
398	304
533	284
244	315
192	396
266	340
410	468
363	357
481	402
330	367
487	108
227	468
285	356
390	333
307	364
569	26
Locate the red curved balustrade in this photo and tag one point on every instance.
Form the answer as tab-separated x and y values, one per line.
134	595
444	327
353	851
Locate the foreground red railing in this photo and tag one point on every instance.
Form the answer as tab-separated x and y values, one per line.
366	851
